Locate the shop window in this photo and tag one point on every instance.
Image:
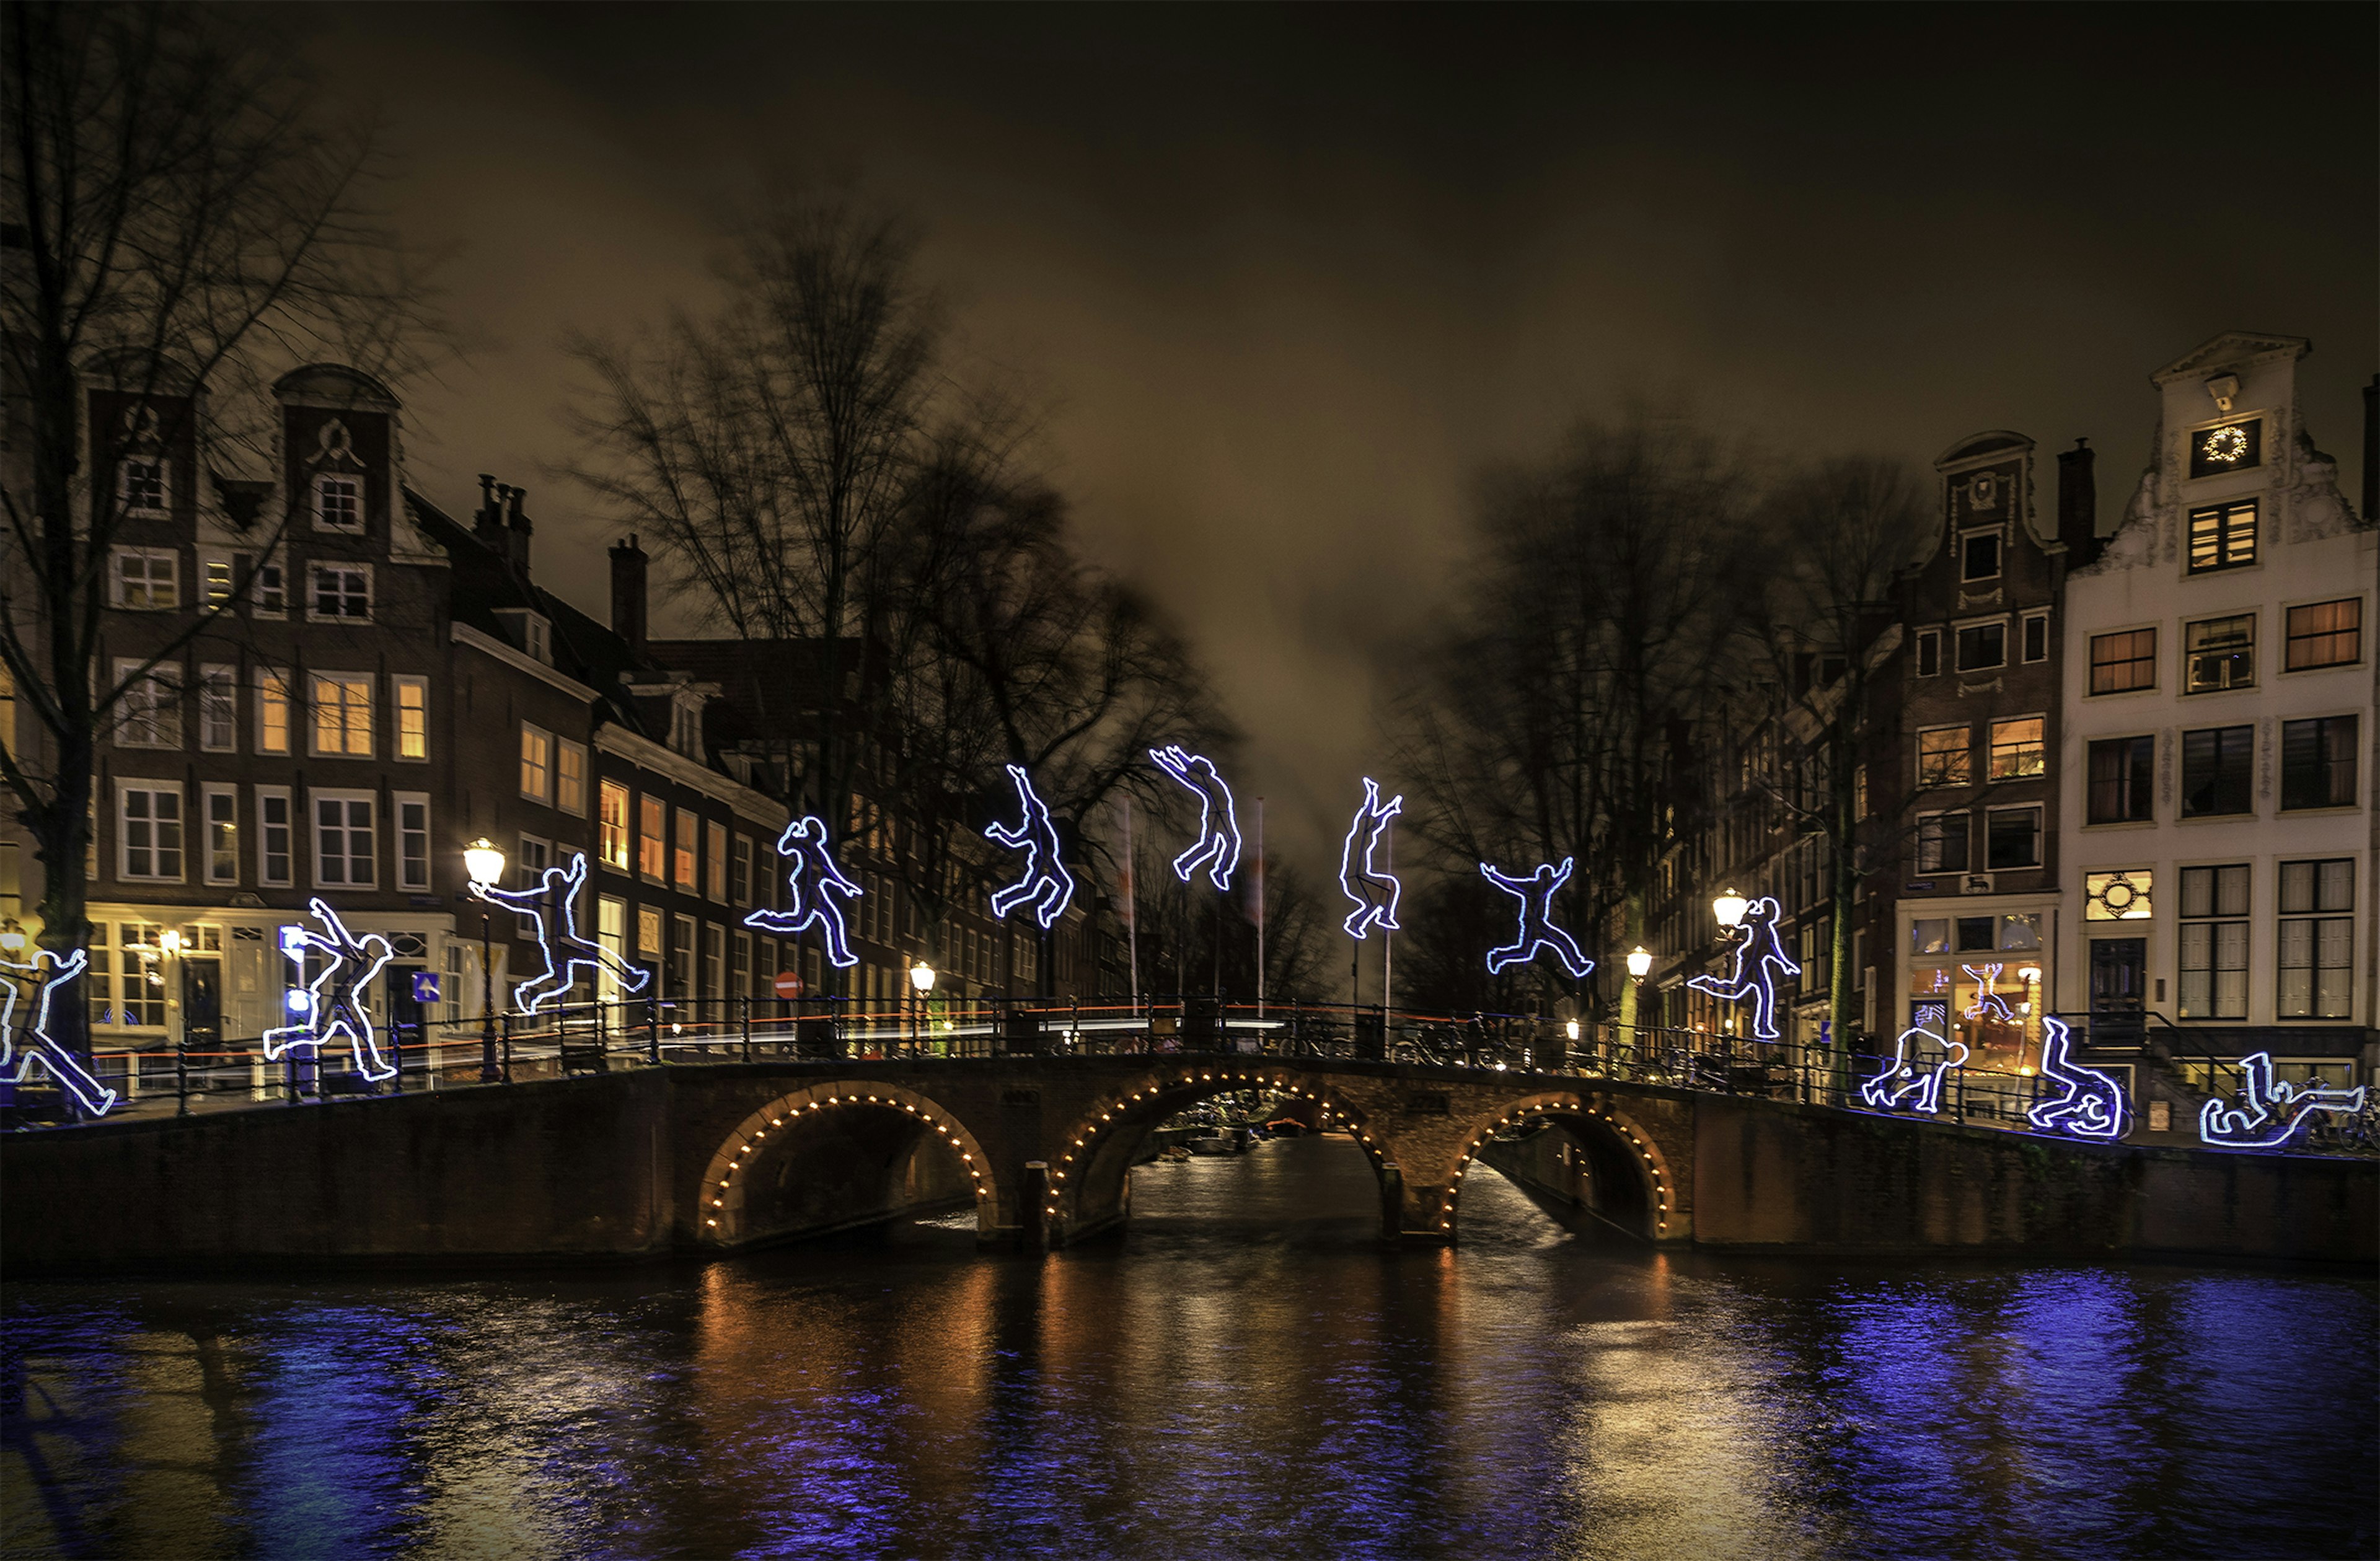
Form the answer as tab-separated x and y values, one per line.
2013	837
2216	770
2318	762
2017	751
2124	661
2122	776
2218	654
1930	935
2118	897
1983	646
1944	756
2215	942
2326	634
2317	933
2021	932
2228	447
1977	934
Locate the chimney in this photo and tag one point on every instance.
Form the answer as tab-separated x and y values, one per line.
517	531
2078	504
486	522
628	592
2371	450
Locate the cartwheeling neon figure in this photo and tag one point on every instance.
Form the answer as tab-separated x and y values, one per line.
812	880
1538	931
566	950
47	974
1217	849
338	1015
2271	1110
1760	962
1372	892
2090	1104
1046	885
1913	1078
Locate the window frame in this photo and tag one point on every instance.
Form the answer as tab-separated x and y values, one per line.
1978	626
2223	536
264	830
2026	623
1993	747
274	691
739	870
2141	778
686	847
1928	648
2033	809
2353	786
346	683
2314	918
2290	638
316	568
118	596
164	508
398	832
2190	654
2093	665
258	596
321	487
653	843
399	685
2210	922
1998	539
218	690
536	762
714	860
626	862
570	789
1932	835
2246	778
2201	465
126	788
160	707
345	797
1966	759
209	793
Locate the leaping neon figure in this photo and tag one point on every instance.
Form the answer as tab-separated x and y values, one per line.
1047	886
1217	849
1988	1003
811	880
2271	1110
1911	1077
340	1015
1760	962
1373	892
2091	1104
1538	931
47	973
568	952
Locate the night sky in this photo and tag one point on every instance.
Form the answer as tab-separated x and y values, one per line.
1288	278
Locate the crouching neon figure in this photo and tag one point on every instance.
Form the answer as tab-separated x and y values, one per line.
2271	1110
47	975
1915	1075
2090	1104
325	1010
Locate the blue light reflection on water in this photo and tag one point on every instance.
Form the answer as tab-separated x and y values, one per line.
1246	1373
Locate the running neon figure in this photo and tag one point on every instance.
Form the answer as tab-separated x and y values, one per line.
339	1015
2092	1104
47	973
1373	892
1538	931
1760	961
1046	885
566	950
2271	1110
1217	849
1913	1077
811	881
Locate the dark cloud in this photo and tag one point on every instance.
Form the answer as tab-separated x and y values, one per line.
1290	276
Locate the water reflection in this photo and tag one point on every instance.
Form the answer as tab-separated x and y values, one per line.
1246	1373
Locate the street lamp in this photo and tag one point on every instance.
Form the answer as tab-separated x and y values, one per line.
484	862
12	937
1730	908
1640	963
921	981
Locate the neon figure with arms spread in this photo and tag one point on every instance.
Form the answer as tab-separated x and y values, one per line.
812	880
1047	886
366	957
1373	892
46	972
1760	962
1217	849
1538	931
567	950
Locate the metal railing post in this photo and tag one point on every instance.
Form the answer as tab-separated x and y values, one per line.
653	1030
182	1074
744	1004
504	1042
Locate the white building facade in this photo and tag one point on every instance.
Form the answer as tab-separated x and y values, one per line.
2217	832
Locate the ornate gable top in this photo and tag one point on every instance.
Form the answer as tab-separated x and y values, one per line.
1999	441
2227	351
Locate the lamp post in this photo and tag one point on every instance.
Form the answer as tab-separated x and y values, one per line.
484	862
1728	907
921	982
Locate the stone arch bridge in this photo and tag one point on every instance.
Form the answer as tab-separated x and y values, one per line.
723	1156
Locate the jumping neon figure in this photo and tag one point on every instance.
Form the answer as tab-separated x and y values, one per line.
2271	1110
339	1016
1538	931
1988	1003
1373	892
1217	849
1913	1077
811	880
2091	1104
94	1097
1046	885
1760	962
566	951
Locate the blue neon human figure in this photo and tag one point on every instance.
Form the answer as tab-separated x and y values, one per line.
1760	962
2089	1105
812	880
330	1006
1921	1062
1538	931
1218	851
47	973
1046	884
565	950
1372	891
2271	1110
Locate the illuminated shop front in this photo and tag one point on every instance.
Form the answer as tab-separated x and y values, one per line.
1981	978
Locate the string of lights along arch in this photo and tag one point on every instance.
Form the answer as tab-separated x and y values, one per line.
327	1008
813	880
566	950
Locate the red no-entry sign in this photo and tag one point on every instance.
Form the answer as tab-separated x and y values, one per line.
789	984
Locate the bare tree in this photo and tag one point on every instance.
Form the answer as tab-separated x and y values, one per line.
179	213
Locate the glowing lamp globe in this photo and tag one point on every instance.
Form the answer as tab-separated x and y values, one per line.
1640	963
484	862
1572	1027
12	937
1730	908
170	940
921	976
299	999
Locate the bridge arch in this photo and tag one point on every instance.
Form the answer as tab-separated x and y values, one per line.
835	1154
1634	1185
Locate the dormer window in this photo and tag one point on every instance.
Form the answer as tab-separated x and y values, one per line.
2228	447
686	726
533	631
339	503
142	481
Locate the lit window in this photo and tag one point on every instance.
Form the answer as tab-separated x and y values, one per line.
612	840
2122	771
2118	897
536	762
272	710
2223	536
2229	447
1943	757
2013	837
2122	662
149	833
1979	556
342	715
215	581
682	860
147	579
2317	932
2016	749
2326	634
2219	653
715	857
612	933
412	717
144	483
339	503
343	853
653	838
2318	762
1983	646
341	592
570	777
218	709
2215	942
2215	770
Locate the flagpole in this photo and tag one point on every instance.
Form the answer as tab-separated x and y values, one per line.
1260	910
1131	906
1388	936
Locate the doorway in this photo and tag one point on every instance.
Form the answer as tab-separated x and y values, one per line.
2118	991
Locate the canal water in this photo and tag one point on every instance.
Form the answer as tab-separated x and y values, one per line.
1245	1373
